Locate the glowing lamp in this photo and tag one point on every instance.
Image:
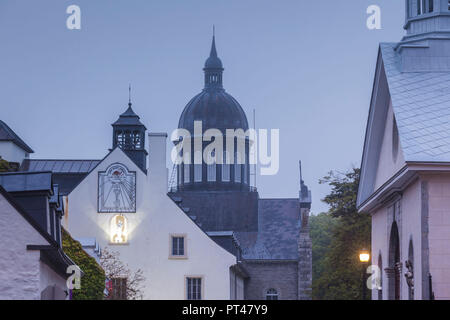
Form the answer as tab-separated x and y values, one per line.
364	256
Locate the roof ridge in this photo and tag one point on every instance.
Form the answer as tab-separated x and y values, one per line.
12	136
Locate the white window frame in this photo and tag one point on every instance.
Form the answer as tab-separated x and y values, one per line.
202	286
272	294
178	256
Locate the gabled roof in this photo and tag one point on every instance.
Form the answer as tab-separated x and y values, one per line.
7	134
421	104
51	254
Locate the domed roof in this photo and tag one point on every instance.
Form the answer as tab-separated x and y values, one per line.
213	106
216	109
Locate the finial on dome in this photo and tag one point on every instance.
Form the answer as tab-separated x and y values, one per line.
129	95
213	52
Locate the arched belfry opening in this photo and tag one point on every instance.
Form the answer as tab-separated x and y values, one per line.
395	266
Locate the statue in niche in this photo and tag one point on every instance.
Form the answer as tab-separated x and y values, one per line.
409	275
119	232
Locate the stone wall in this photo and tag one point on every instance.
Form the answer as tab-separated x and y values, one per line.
280	275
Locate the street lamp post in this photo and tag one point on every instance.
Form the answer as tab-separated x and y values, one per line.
364	257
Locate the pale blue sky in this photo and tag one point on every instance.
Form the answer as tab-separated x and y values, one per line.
305	66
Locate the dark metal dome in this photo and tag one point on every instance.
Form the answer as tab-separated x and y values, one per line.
213	106
216	109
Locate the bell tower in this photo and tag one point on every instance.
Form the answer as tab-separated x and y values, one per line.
426	45
129	135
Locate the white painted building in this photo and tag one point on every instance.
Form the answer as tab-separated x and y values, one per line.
124	205
405	169
32	264
12	148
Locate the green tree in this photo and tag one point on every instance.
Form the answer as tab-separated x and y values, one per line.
4	165
341	273
321	231
93	281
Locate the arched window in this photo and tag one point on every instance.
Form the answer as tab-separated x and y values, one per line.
187	173
137	140
120	138
198	167
271	294
394	264
395	140
409	275
226	167
211	167
237	167
127	139
425	6
119	229
380	265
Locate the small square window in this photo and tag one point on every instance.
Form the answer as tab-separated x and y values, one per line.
118	289
178	249
193	288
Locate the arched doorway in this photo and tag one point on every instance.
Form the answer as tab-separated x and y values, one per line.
395	265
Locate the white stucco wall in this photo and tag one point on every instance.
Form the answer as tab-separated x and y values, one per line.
409	227
150	227
439	232
21	275
379	246
411	215
388	165
11	152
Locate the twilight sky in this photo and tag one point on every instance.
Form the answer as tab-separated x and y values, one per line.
305	66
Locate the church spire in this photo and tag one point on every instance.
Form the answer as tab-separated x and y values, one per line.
213	52
213	67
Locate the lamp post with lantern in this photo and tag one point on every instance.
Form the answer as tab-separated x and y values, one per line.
364	258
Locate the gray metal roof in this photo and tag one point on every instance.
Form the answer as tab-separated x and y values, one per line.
59	166
7	134
26	181
213	106
128	118
278	231
421	104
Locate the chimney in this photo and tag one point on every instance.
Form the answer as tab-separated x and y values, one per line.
157	170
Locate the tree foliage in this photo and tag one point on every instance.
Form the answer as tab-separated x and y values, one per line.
321	231
115	268
339	273
4	165
93	281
